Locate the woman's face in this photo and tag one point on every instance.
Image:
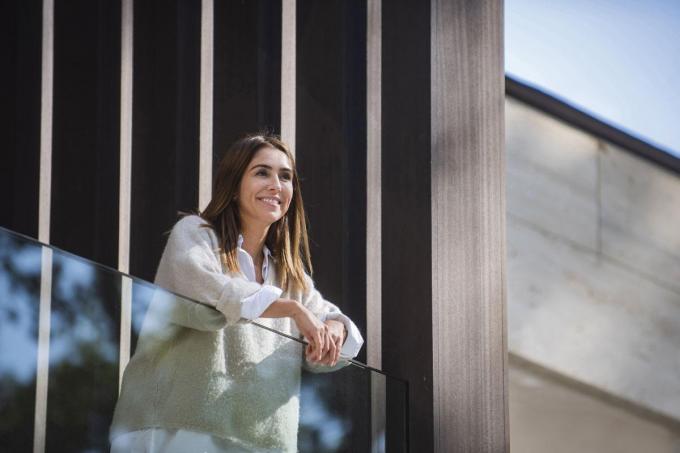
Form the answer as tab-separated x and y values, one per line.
266	188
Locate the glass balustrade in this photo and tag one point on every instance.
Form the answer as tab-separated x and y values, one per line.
68	326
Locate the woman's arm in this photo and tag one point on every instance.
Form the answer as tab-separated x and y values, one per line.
190	267
311	327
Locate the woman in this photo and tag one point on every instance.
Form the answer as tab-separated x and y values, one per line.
206	379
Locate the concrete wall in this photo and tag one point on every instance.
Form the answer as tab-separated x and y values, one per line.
593	262
548	416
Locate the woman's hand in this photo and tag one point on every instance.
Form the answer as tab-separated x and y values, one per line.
325	339
314	331
336	337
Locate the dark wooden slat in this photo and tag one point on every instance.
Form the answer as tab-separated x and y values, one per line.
331	158
20	116
20	83
331	146
85	150
84	221
165	125
406	247
247	65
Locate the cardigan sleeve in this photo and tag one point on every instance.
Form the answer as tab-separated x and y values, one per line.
167	308
189	266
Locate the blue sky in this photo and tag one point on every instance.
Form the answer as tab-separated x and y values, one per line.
617	60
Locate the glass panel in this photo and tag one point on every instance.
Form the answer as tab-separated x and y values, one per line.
19	301
84	343
246	385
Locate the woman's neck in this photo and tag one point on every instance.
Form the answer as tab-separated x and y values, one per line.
253	241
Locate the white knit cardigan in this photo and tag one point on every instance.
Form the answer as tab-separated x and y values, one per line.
204	369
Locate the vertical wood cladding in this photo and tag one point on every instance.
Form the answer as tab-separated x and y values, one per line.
406	213
331	158
20	79
84	220
85	150
247	83
442	208
331	146
165	125
20	91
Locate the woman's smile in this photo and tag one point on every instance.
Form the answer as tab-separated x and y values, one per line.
270	201
266	188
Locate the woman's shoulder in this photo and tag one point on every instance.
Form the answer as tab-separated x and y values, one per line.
191	220
192	228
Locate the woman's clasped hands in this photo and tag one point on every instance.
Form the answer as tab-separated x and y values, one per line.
324	339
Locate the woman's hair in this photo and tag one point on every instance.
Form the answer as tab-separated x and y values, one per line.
286	238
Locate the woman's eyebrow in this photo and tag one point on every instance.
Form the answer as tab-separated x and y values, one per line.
268	167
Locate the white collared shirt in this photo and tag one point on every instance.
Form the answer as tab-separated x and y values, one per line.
253	306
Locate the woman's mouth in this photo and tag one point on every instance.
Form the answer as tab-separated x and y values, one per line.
270	201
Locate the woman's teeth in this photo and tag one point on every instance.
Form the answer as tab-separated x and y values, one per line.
270	201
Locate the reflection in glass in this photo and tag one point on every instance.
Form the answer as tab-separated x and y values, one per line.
335	407
83	354
19	301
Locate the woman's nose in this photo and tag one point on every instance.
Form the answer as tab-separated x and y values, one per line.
275	183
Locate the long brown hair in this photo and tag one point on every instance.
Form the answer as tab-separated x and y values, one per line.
287	237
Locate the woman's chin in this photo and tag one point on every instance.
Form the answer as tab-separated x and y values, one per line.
270	218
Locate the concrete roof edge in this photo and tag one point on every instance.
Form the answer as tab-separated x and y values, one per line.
567	113
638	409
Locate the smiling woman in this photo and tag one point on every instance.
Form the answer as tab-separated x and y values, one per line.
222	386
265	193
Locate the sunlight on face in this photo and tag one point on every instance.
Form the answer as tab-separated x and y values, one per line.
266	188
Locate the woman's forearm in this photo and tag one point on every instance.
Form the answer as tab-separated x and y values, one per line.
282	308
311	328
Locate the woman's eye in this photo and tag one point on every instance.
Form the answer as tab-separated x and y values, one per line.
285	177
261	172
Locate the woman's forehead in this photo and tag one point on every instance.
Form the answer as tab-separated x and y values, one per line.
271	157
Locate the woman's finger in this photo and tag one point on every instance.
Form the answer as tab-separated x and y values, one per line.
328	339
320	344
330	350
336	350
310	336
315	345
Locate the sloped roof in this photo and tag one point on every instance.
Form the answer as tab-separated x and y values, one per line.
577	118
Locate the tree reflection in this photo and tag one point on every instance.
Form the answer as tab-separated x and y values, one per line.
83	367
83	379
80	402
19	301
323	428
83	360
